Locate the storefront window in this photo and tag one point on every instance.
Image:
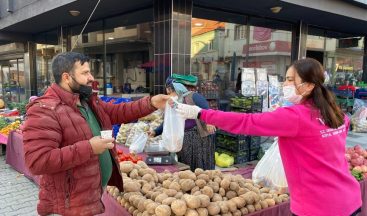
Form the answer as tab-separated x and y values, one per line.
45	78
219	51
341	57
13	81
129	57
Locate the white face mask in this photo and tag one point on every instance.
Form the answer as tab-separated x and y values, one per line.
290	94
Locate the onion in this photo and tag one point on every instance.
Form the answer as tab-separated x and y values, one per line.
357	168
348	157
355	155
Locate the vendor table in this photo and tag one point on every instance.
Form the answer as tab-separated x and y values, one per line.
15	158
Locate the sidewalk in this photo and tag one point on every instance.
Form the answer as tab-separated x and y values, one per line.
19	195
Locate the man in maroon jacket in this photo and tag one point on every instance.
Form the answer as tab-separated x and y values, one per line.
62	142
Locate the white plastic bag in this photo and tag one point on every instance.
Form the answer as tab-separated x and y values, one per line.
269	171
173	130
139	141
359	120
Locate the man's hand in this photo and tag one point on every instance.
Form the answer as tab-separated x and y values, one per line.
186	111
159	101
211	128
99	145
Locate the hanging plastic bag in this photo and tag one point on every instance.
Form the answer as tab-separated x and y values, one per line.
269	171
173	130
359	120
138	144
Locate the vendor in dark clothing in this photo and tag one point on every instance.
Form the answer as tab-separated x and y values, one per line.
198	147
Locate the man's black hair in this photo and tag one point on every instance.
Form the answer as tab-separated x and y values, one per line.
64	62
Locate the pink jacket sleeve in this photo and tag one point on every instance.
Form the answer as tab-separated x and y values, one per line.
282	122
42	136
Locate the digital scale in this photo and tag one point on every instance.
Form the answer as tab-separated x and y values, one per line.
159	156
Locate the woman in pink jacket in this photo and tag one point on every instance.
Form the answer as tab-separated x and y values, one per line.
312	140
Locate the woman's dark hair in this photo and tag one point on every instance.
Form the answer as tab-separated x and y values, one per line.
311	71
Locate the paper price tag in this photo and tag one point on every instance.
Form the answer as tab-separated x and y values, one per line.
106	134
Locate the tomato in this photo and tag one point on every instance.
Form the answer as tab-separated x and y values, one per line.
120	152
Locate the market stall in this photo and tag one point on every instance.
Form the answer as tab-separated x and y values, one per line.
15	158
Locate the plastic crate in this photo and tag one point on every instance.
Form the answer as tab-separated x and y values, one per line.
248	104
236	143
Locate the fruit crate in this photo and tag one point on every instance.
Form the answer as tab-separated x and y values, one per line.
236	143
247	104
209	90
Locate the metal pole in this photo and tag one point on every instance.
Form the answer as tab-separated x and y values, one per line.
104	60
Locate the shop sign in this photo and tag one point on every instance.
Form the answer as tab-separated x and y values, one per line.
340	68
267	47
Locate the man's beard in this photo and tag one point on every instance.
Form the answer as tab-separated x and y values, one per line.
84	91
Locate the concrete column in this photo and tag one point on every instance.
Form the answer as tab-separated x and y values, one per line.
172	40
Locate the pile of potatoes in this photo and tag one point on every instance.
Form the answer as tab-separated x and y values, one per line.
188	193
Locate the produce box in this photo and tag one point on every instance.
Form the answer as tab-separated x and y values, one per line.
236	143
247	104
209	90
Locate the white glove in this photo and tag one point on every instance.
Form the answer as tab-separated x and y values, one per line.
187	111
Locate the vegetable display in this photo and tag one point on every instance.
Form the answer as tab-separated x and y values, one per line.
209	192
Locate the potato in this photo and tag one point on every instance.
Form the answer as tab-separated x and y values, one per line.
223	207
216	197
213	208
187	184
242	191
122	202
222	192
168	201
118	199
264	196
191	212
244	211
214	186
194	189
231	194
145	213
257	206
175	186
277	200
155	194
200	183
225	184
179	195
204	200
146	188
198	171
240	202
151	207
265	190
264	204
148	177
163	210
207	191
166	184
187	175
192	201
284	197
126	167
202	211
135	213
161	197
217	180
151	171
131	186
237	213
250	208
134	174
142	164
270	202
231	206
204	177
147	202
131	209
197	193
179	207
234	186
141	205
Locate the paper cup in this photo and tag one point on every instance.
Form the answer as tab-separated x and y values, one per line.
106	134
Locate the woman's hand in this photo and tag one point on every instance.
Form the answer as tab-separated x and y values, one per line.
185	111
211	128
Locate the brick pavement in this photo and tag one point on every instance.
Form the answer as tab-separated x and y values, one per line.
18	195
